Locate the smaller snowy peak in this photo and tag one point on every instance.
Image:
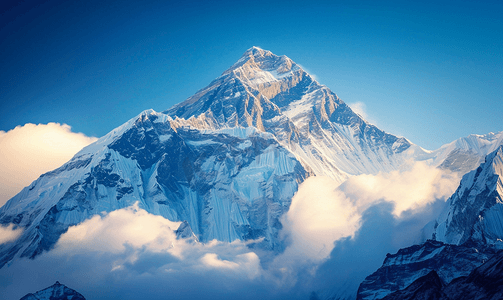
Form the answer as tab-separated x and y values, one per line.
466	153
110	137
462	155
481	144
57	291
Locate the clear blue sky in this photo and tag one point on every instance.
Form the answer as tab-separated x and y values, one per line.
431	71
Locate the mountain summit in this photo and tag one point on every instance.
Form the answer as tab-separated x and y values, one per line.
275	95
57	291
226	162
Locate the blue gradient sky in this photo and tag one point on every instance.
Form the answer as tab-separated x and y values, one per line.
429	71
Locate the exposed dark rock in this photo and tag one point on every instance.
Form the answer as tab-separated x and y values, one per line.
57	291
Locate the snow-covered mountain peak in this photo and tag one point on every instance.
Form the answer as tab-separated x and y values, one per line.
57	291
464	154
275	95
264	60
261	70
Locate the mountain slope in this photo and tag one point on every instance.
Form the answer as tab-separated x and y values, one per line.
228	184
401	269
485	282
57	291
427	287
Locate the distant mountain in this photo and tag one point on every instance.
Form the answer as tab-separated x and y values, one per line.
57	291
227	184
467	153
228	160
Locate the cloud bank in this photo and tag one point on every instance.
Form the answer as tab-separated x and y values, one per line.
334	237
28	151
318	216
412	188
130	253
322	212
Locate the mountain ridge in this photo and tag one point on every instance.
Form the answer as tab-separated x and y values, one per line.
474	210
228	160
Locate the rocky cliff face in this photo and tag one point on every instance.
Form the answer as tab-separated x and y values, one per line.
401	269
484	282
427	287
475	210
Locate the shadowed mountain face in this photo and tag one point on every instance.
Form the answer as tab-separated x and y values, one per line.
228	160
484	282
400	270
240	177
57	291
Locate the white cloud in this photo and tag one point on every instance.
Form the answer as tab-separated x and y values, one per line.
28	151
323	213
9	234
318	216
412	188
130	253
131	226
249	262
132	232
